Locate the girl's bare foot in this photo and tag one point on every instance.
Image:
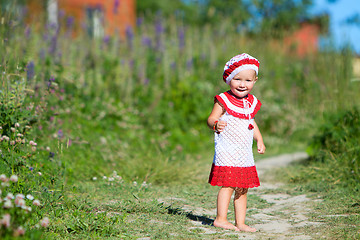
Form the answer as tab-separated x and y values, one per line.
245	228
225	225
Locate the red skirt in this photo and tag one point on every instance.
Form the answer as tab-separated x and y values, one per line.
242	177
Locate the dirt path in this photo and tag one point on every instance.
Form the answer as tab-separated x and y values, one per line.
287	213
280	216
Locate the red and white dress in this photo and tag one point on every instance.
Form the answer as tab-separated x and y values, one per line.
233	164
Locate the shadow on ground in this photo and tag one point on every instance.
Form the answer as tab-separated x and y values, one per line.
204	220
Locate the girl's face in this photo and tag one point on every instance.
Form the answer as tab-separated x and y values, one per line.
243	82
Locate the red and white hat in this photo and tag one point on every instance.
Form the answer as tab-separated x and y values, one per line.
238	63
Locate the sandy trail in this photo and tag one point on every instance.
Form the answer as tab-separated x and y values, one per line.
285	216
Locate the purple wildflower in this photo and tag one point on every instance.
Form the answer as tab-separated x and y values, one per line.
106	40
69	22
53	45
159	29
45	37
139	21
61	13
116	6
129	35
30	71
131	63
27	32
146	41
60	133
51	79
53	25
181	34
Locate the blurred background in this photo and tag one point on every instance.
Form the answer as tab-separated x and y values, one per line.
125	85
137	78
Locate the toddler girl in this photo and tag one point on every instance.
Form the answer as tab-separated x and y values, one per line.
232	119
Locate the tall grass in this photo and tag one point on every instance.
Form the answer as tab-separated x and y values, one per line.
139	104
150	93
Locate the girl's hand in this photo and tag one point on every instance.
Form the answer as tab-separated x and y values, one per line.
220	125
261	147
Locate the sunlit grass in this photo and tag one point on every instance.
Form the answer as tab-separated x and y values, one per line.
139	106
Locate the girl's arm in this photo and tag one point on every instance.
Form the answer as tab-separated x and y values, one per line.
215	116
258	138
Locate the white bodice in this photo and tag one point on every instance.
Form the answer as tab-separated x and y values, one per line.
233	146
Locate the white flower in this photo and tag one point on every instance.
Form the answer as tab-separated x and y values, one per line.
13	129
48	149
45	222
104	177
135	183
14	178
17	125
36	202
3	178
6	220
144	184
94	178
30	197
20	231
19	195
8	204
9	196
39	173
20	202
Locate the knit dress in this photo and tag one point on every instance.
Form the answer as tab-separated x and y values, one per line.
233	163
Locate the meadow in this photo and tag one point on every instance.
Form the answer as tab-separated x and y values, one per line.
85	120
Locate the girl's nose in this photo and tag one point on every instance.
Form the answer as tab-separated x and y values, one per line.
242	83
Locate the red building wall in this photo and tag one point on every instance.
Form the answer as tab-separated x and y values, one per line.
118	14
304	41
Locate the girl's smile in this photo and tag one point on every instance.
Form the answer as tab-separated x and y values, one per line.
243	82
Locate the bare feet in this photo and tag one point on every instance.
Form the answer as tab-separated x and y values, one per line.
245	228
225	225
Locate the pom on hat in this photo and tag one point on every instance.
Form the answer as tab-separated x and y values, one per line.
238	63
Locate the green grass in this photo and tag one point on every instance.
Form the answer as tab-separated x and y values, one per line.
337	207
95	107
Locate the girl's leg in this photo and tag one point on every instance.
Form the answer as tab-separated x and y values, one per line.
240	201
223	201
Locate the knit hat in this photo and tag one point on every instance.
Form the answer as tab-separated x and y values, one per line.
238	63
